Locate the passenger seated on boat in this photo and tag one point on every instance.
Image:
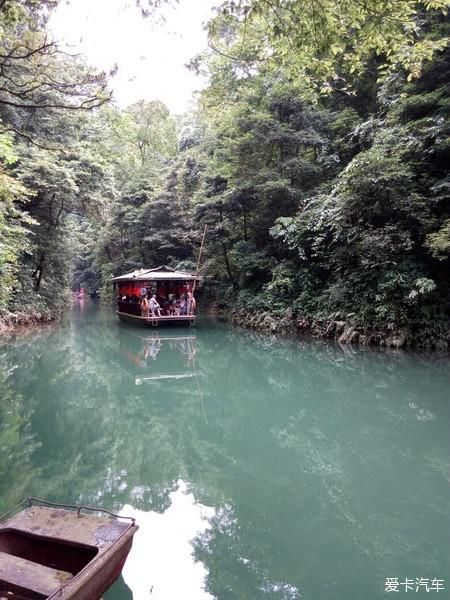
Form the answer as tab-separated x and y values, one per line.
173	306
155	307
144	306
183	307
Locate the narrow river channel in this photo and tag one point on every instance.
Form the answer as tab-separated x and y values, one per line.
256	467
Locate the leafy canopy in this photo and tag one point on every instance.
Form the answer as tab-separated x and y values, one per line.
324	44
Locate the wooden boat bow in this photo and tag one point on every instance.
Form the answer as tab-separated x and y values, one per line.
50	550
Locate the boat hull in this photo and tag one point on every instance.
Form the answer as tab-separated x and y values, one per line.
156	321
94	582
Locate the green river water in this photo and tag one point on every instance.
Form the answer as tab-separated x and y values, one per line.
256	467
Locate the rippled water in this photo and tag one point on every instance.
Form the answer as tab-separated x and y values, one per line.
256	467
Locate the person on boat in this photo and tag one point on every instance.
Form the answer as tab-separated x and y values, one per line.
191	304
155	307
166	308
144	306
173	306
183	307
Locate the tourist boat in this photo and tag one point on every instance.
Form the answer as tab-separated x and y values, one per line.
81	295
56	551
166	283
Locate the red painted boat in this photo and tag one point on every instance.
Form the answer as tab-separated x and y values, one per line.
173	291
50	551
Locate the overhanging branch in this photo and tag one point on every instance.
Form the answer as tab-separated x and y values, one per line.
31	140
93	103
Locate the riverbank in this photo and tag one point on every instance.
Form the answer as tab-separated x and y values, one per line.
429	335
11	321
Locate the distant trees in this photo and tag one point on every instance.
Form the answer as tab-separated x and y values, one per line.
317	157
145	223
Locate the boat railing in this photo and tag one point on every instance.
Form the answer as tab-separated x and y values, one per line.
33	501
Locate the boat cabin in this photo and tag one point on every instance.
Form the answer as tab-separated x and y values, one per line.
172	290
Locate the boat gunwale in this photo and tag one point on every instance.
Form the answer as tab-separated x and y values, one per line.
156	320
77	507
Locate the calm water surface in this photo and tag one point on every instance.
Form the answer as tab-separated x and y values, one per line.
256	467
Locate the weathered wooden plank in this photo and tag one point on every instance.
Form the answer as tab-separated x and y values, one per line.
30	575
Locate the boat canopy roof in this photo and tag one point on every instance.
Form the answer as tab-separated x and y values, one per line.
162	273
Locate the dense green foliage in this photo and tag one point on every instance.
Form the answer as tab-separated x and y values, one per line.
335	207
318	157
49	173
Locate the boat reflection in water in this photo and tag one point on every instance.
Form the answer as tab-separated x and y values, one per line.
158	356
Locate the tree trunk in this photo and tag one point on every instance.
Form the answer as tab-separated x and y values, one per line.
228	266
122	244
37	275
